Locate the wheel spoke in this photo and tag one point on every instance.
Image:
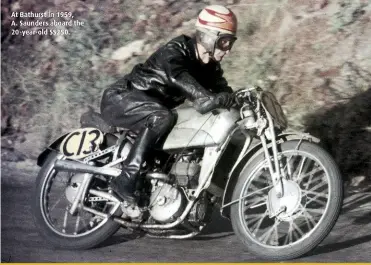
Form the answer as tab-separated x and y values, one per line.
308	182
276	232
309	218
250	194
318	194
315	199
313	171
296	235
315	210
297	229
57	202
264	181
287	164
252	218
77	223
258	224
255	202
289	234
267	235
65	220
257	205
301	166
316	187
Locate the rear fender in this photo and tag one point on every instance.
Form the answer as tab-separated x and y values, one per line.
52	147
75	144
234	174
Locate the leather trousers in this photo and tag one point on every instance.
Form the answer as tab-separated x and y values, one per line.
130	108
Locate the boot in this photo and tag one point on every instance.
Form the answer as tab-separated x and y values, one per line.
124	185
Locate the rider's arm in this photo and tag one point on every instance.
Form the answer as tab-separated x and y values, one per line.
203	100
176	61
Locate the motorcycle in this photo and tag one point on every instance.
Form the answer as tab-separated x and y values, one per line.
281	191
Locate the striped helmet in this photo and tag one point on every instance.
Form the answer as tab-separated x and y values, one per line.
215	26
217	18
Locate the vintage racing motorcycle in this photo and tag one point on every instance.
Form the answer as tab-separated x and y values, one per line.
282	192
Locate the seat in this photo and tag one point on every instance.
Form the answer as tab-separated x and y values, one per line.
94	119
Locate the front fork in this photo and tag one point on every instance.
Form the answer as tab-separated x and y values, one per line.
275	170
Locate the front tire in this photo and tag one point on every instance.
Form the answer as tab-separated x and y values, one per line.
279	243
47	226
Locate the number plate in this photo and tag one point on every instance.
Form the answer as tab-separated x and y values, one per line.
81	142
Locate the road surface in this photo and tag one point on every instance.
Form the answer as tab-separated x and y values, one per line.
350	241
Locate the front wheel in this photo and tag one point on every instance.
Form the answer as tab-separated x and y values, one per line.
52	199
288	227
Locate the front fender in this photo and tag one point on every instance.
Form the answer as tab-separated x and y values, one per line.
239	165
295	135
52	147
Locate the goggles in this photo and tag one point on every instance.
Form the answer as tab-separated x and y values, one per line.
225	42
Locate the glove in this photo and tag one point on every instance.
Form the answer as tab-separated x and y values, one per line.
224	99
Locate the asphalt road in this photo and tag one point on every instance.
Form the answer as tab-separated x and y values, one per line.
350	241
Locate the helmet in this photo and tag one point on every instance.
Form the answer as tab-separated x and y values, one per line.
216	24
217	18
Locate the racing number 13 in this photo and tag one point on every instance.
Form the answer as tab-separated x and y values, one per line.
85	146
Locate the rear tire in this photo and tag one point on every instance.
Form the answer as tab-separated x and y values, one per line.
320	230
57	240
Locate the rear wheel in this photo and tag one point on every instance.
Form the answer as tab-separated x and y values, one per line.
287	227
52	199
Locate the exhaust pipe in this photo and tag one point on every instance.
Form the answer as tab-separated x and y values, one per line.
73	166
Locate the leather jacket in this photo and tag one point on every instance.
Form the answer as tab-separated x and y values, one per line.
173	73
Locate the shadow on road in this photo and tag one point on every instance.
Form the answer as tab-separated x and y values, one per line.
119	238
363	220
218	224
356	202
352	205
219	227
339	246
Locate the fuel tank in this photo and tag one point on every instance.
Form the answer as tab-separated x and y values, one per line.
200	130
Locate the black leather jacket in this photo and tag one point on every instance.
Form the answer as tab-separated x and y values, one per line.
173	74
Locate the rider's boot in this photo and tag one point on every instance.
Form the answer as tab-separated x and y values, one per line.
124	185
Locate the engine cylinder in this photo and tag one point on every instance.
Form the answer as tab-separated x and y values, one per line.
186	173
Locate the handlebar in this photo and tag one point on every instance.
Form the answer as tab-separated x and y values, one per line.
244	91
241	94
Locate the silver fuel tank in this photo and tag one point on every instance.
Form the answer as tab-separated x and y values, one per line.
196	130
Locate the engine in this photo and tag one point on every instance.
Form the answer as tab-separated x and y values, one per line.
186	170
168	198
166	202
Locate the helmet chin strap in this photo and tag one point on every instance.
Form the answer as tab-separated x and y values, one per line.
205	52
209	53
211	56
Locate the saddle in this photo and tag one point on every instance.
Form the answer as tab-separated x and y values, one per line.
94	119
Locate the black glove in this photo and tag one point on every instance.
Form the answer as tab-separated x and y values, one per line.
224	99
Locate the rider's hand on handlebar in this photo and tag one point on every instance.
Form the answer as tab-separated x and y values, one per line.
237	96
225	99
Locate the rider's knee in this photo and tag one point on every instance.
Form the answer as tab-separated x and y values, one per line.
161	121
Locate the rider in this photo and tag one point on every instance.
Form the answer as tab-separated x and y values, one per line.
184	68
